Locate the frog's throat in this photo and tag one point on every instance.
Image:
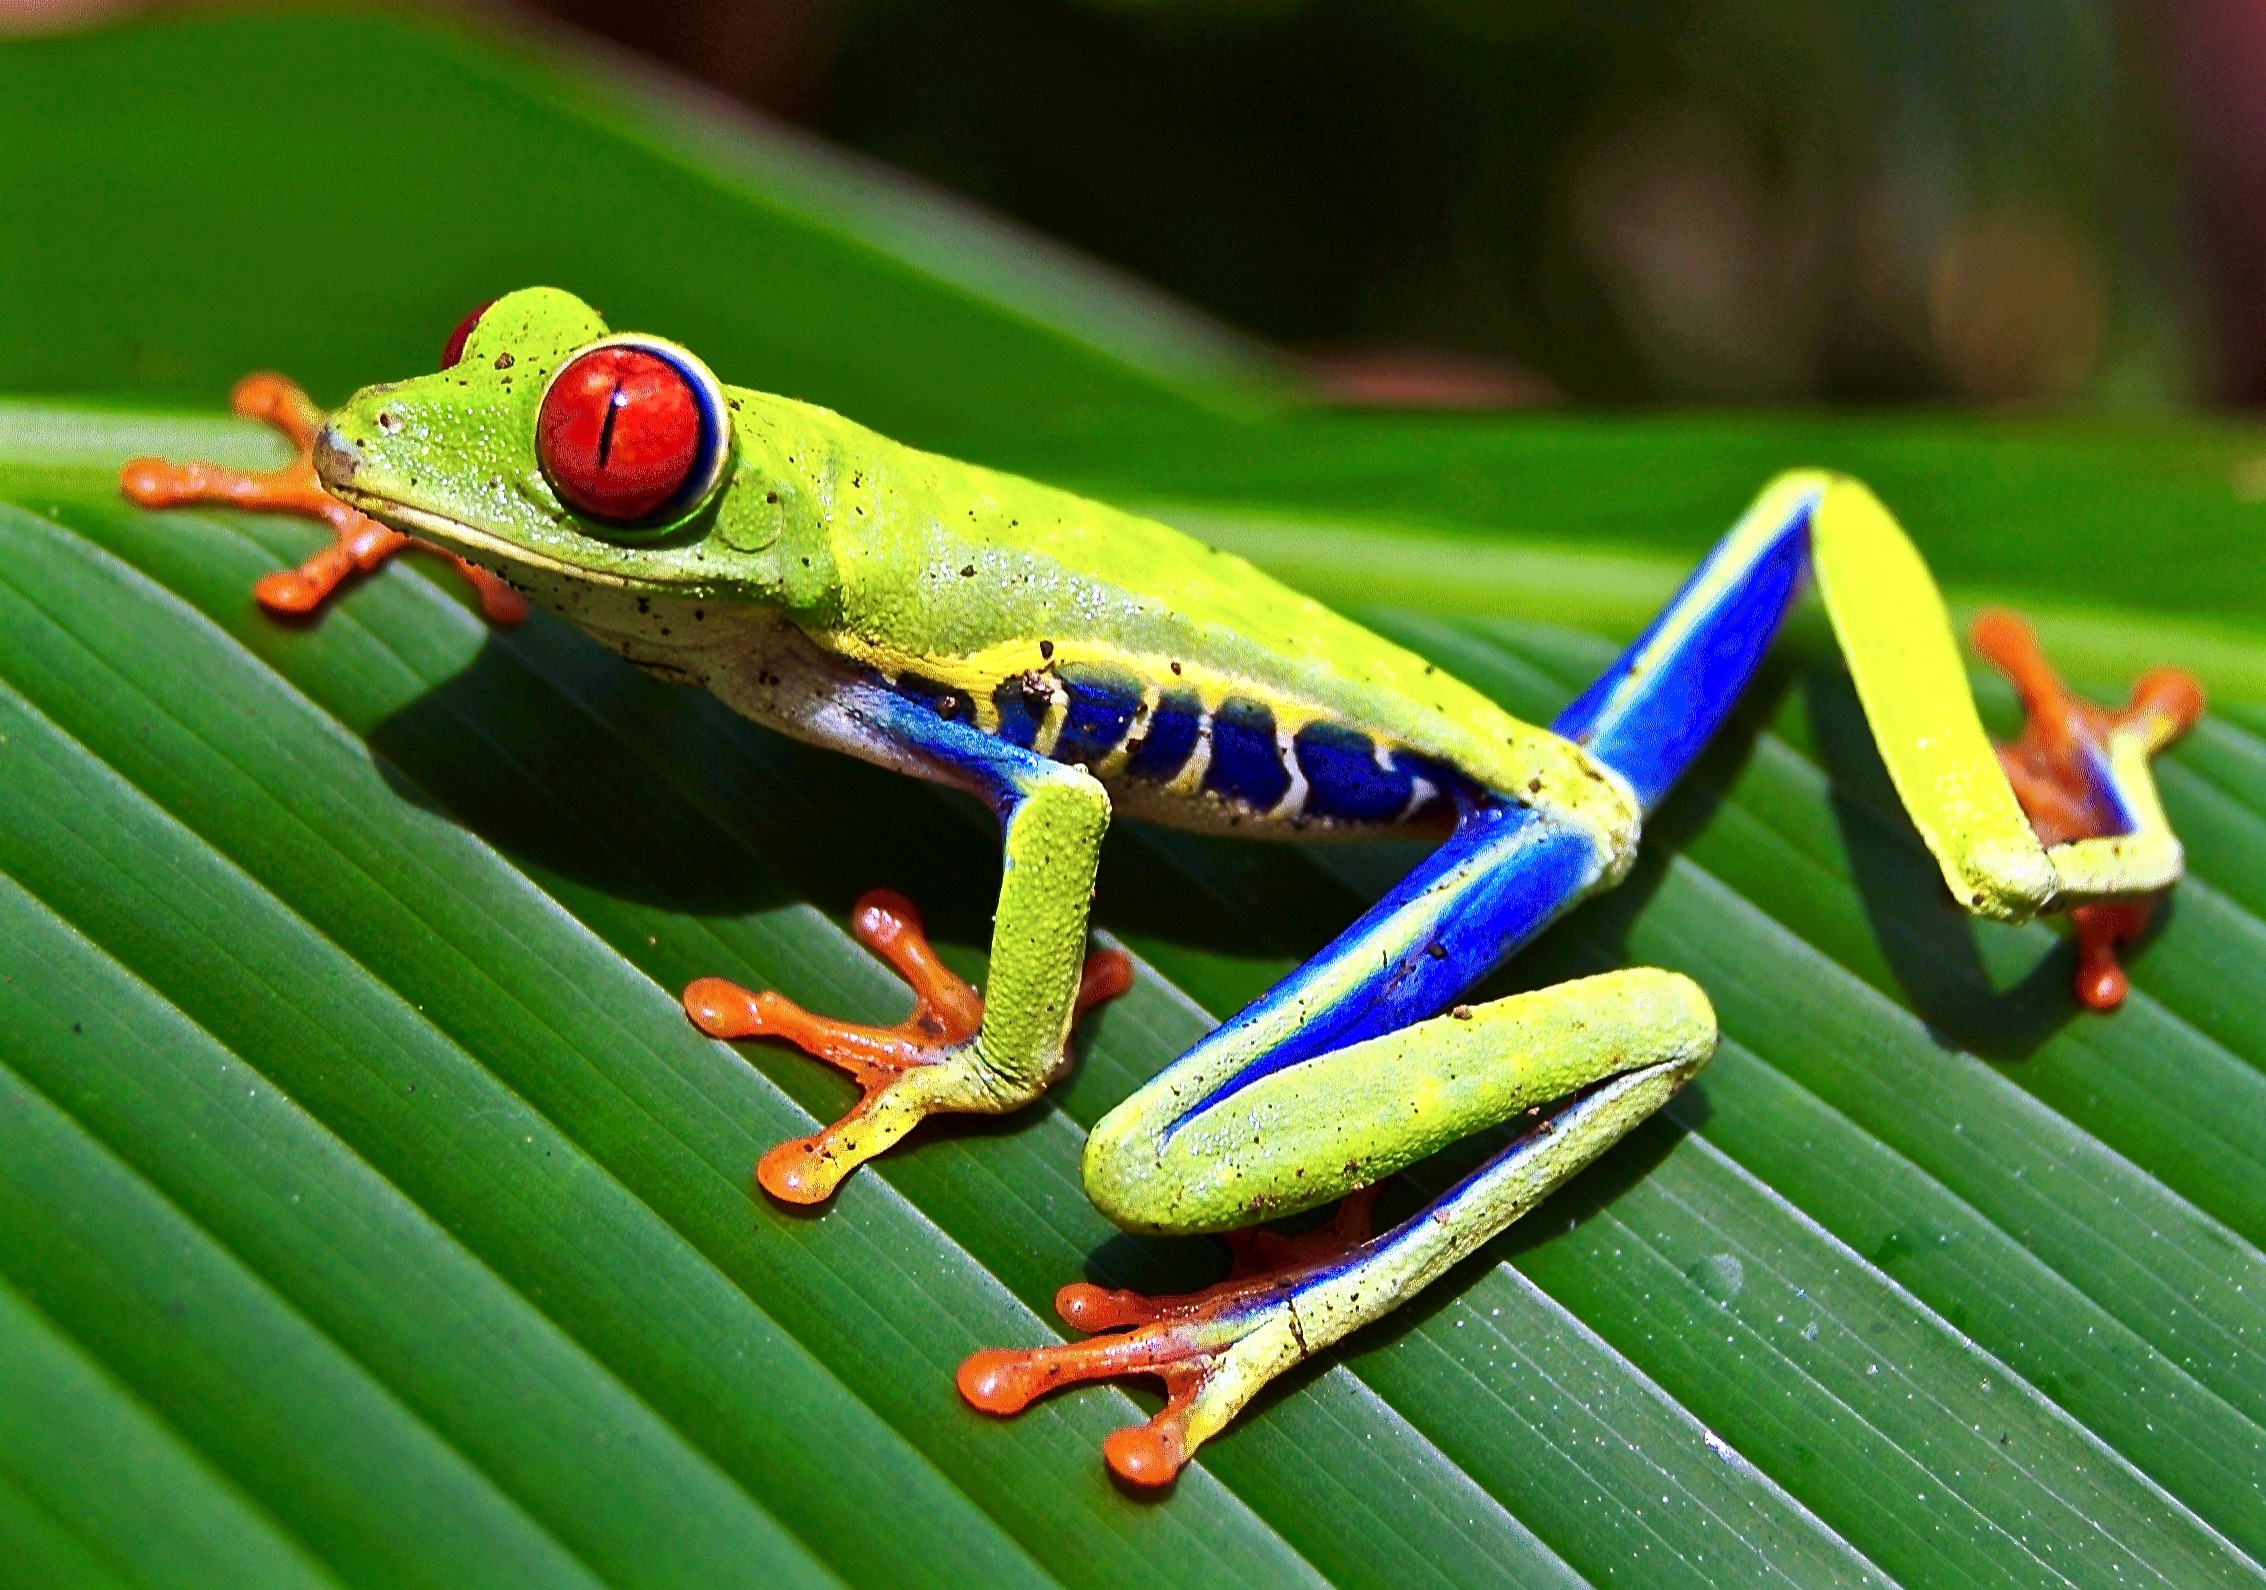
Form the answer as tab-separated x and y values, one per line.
480	546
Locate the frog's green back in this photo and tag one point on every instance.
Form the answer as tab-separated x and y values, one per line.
972	580
1201	691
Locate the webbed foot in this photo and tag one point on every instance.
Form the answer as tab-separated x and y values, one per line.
916	1068
1213	1349
362	543
2052	767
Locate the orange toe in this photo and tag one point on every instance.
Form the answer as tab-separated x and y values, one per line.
946	1014
798	1172
721	1008
363	543
1181	1339
1145	1454
2051	765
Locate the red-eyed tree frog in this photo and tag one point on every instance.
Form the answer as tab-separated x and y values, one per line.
1065	661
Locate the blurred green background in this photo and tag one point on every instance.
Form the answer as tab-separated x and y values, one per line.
1466	203
1463	200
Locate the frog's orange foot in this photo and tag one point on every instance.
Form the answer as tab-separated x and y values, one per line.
362	543
1188	1341
2053	768
946	1014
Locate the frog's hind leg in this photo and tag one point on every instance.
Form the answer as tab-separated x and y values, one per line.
1617	1045
1334	1080
362	542
1345	1072
2064	819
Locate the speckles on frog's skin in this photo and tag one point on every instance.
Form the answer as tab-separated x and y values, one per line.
536	492
938	697
1023	704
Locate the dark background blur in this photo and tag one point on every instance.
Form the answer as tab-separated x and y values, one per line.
1768	200
2038	202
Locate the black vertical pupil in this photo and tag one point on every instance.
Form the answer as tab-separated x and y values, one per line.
616	401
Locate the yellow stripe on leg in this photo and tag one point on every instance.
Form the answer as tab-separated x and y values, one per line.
1897	639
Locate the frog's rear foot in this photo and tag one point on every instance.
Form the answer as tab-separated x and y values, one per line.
362	543
918	1067
1212	1349
2052	767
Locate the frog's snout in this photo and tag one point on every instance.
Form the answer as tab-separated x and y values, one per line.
336	458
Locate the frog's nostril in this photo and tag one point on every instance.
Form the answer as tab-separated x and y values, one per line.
336	458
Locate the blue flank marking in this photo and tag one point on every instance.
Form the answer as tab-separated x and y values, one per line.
1649	729
1246	762
1171	738
997	770
1019	712
938	698
1446	784
1100	710
1502	877
1343	780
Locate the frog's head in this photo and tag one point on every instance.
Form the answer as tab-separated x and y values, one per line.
589	470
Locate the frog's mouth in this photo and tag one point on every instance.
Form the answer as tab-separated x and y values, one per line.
338	463
479	546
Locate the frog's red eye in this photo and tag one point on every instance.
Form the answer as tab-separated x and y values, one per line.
452	352
628	433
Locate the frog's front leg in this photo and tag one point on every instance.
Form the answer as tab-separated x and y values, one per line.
958	1051
905	1071
362	543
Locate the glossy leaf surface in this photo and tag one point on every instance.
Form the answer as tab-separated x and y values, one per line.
370	1215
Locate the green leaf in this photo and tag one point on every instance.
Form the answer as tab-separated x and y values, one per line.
369	1213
